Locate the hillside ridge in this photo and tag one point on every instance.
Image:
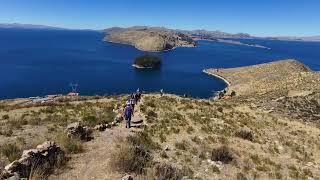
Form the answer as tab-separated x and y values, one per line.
262	132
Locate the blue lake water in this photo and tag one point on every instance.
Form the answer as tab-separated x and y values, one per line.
40	62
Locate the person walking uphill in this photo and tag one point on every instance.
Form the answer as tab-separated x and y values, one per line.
138	96
127	115
132	101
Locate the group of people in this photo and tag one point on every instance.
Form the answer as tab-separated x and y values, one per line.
132	100
223	95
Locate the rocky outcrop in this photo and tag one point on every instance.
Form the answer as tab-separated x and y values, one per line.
76	130
103	127
43	159
150	39
127	177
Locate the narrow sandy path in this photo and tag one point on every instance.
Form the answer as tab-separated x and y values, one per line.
94	162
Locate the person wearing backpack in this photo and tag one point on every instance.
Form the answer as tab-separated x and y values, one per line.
128	114
132	101
138	96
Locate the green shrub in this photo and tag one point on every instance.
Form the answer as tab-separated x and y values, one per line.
17	124
167	171
35	121
164	155
6	116
162	137
6	132
222	154
202	155
181	145
245	134
90	120
150	104
220	109
152	114
196	139
143	139
190	129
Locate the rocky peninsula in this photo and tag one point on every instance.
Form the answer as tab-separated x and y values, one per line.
148	38
273	76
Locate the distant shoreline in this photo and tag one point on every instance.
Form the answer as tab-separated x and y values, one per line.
236	43
166	50
220	77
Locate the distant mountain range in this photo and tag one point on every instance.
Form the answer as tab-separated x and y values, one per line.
293	38
204	34
27	26
195	34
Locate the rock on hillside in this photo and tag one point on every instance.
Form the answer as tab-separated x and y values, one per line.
149	39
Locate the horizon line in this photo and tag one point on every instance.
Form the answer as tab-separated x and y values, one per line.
187	29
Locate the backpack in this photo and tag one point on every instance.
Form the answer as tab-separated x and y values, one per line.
128	111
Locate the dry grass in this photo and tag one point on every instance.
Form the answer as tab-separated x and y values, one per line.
69	145
199	134
129	157
164	171
11	151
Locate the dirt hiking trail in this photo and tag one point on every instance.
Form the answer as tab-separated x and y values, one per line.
93	163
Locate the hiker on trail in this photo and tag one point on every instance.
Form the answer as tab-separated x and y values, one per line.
233	93
221	94
138	95
128	111
132	101
161	92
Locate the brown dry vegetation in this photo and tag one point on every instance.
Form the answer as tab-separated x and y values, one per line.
200	139
232	140
23	126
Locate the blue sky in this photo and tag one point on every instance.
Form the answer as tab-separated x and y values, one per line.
257	17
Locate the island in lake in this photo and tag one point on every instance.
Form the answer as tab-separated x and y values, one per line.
147	62
148	38
155	39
